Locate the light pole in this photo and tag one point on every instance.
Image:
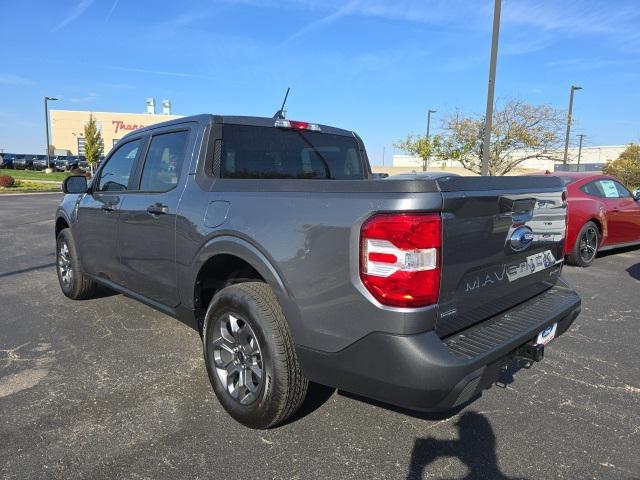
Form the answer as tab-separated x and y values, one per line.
582	135
488	117
566	138
429	112
46	125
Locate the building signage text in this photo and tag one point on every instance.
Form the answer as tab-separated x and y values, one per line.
120	125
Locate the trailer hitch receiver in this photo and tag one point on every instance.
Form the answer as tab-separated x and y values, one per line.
533	353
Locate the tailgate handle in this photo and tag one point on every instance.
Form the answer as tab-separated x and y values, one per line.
521	210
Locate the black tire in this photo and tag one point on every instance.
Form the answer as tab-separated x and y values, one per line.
586	246
76	285
281	387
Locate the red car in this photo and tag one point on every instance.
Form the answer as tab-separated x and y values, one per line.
603	215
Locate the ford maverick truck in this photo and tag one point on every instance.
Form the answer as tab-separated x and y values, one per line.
272	238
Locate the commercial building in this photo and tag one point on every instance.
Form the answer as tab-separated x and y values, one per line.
592	155
67	126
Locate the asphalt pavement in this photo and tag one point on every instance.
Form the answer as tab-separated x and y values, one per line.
109	388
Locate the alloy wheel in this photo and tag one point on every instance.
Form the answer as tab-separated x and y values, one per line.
64	264
588	244
237	358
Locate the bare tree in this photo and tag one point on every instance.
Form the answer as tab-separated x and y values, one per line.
520	131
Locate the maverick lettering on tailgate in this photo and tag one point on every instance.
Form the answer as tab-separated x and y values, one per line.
509	272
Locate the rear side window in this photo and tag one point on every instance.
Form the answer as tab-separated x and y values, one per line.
593	188
266	152
164	160
115	175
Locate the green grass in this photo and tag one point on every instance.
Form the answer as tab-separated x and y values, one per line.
26	186
30	175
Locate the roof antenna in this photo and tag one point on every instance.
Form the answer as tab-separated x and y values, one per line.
281	114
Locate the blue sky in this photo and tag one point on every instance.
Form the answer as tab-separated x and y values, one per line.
371	66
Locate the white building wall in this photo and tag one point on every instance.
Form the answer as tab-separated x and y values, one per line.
598	154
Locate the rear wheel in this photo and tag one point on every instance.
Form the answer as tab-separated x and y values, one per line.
250	356
73	282
586	246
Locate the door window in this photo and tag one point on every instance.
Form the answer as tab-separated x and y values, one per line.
164	160
115	175
609	189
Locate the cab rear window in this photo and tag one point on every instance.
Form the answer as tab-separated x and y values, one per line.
267	152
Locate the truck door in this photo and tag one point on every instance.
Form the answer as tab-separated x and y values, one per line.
146	232
98	211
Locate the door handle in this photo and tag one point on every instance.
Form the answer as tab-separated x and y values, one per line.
157	209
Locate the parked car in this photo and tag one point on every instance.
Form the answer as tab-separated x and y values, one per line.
62	163
603	214
40	162
271	239
23	162
6	160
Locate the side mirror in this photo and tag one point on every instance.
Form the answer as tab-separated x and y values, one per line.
75	184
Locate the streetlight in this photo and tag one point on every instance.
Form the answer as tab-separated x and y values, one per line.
46	125
582	135
429	112
488	116
566	138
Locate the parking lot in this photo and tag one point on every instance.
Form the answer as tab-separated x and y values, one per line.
109	388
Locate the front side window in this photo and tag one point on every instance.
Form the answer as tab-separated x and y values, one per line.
162	167
115	175
267	152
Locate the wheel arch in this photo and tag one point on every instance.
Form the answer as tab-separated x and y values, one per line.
61	224
226	260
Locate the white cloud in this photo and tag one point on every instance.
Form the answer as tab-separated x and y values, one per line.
75	13
151	72
15	80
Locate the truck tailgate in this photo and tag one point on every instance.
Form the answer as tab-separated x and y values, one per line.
502	243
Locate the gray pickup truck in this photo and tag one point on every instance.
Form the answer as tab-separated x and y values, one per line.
273	240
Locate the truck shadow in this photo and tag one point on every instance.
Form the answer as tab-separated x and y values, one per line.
475	448
634	271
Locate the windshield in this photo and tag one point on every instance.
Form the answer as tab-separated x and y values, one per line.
267	152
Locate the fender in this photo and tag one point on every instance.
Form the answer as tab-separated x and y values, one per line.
231	245
243	249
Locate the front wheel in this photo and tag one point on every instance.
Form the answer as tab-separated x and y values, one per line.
250	356
586	246
73	283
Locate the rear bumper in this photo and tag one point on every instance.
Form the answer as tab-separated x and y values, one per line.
425	372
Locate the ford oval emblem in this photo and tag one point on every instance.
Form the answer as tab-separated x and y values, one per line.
521	238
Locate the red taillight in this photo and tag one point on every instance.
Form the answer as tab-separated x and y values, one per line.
400	258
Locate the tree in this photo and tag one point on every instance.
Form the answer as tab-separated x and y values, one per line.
520	131
420	146
626	167
93	144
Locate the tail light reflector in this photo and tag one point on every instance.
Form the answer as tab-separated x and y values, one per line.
400	258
